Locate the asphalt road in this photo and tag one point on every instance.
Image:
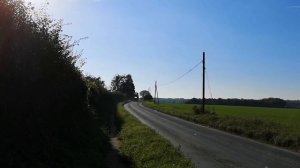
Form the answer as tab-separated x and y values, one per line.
211	148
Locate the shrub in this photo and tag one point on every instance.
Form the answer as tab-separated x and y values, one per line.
199	110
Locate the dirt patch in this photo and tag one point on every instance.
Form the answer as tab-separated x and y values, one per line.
114	159
116	143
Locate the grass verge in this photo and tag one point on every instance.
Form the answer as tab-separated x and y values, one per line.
145	148
258	126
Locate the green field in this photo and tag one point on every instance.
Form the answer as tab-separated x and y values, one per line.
284	116
279	126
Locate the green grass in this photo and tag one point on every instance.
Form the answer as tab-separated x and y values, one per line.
284	116
145	147
278	126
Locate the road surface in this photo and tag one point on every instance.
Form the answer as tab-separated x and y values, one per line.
211	148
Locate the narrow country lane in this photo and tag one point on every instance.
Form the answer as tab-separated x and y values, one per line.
211	148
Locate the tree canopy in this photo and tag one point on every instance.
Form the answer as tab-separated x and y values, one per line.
146	95
123	84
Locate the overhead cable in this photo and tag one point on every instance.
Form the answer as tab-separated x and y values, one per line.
183	75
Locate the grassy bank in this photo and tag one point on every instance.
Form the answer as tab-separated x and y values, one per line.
272	125
145	147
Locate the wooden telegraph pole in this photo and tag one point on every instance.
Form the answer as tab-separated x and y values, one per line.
203	85
157	97
155	92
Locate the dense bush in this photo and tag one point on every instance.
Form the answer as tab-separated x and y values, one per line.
102	103
199	110
45	120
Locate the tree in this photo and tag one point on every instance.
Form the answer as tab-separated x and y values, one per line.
267	102
116	83
146	95
123	84
128	87
193	101
96	81
273	102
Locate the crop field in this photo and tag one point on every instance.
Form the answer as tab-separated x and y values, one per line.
278	126
284	116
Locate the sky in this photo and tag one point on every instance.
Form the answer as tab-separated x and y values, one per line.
252	47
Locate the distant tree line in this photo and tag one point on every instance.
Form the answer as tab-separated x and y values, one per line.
293	103
267	102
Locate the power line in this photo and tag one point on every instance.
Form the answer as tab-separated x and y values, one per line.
210	92
208	83
183	75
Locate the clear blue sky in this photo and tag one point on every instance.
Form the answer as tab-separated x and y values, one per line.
252	47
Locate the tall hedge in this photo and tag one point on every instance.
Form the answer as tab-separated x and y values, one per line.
44	115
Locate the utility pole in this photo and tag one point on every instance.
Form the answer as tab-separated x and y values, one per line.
155	92
203	85
157	97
